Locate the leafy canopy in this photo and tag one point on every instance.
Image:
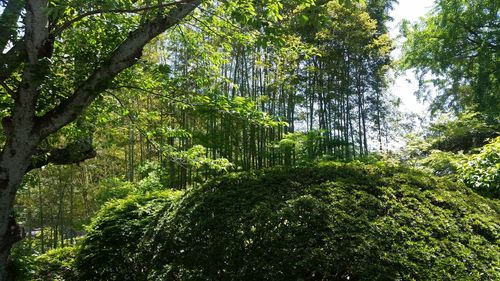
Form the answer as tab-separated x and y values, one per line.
457	43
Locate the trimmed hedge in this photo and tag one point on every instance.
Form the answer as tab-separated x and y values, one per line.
110	250
330	221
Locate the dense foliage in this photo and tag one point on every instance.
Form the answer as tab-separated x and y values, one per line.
333	221
466	132
457	44
56	264
454	52
110	250
482	171
268	87
223	91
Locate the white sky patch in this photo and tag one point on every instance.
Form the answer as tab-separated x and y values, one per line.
406	85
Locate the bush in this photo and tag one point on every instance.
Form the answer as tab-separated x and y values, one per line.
482	171
329	222
110	250
469	131
325	222
56	264
442	163
21	261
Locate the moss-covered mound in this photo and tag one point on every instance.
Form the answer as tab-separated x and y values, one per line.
326	222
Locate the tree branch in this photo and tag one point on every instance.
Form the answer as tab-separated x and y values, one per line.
73	153
68	23
37	32
37	43
8	89
123	57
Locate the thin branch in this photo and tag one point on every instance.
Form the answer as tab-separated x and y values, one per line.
157	147
191	105
152	93
8	89
222	36
233	26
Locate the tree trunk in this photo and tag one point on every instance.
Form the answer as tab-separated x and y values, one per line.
14	161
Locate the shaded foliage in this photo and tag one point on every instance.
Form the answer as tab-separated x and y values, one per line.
55	264
468	131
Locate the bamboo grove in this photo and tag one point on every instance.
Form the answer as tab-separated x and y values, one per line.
292	92
228	90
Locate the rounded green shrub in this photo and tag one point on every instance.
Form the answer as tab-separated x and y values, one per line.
110	249
328	222
55	264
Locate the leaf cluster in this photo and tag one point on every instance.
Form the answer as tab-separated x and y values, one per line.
482	171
